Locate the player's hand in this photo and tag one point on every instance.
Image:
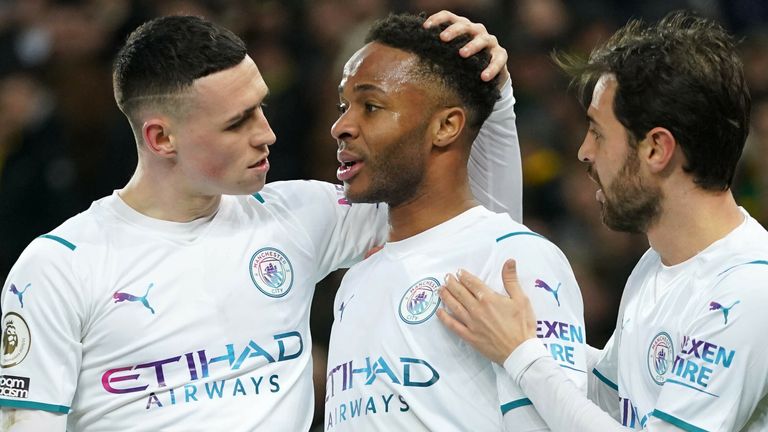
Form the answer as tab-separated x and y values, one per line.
481	40
492	323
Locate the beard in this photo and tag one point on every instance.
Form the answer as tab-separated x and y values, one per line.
396	173
630	205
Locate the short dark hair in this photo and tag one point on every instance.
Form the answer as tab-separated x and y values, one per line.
684	74
166	55
440	60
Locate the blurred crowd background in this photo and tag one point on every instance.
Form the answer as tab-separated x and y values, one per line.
63	142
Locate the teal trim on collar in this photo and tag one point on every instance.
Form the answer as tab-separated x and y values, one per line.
60	240
258	197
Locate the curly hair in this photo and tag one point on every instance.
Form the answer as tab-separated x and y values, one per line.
166	55
684	74
438	60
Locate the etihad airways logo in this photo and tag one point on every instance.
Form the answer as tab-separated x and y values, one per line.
194	370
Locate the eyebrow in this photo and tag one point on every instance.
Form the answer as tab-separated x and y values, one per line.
363	88
246	112
592	120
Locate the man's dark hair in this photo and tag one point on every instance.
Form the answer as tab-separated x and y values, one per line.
438	60
682	74
166	55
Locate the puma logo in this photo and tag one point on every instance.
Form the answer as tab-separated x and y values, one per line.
121	297
726	310
541	284
20	294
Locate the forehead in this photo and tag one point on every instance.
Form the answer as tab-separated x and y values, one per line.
389	68
232	90
601	106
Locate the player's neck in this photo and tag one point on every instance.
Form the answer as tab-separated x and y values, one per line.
158	198
690	221
429	208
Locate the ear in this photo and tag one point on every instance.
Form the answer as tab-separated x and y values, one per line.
448	125
658	148
157	137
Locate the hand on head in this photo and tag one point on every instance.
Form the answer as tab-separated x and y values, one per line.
481	40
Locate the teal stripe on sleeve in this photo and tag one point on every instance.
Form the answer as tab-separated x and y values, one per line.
755	262
602	378
509	406
512	234
60	240
34	406
671	381
677	422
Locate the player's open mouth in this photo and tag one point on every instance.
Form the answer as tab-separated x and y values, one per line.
348	169
262	165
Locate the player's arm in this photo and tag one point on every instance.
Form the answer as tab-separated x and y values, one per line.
21	420
41	327
504	329
556	299
602	376
495	171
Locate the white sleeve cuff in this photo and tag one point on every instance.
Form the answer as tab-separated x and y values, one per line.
523	356
505	95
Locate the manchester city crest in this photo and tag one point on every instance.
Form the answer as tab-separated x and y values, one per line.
16	339
420	301
271	272
661	354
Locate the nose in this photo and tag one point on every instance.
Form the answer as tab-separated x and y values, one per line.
262	133
344	128
586	149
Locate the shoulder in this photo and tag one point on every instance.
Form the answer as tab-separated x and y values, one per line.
745	282
76	233
79	239
296	191
742	251
523	244
648	264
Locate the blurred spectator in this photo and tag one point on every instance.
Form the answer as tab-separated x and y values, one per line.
37	173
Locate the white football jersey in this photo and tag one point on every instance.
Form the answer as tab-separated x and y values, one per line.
687	347
393	366
133	322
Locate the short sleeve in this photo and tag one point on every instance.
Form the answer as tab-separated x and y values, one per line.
720	373
41	325
547	279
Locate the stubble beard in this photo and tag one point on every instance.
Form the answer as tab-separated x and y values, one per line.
397	172
631	206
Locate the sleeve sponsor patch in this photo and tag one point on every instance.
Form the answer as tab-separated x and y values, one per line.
14	386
